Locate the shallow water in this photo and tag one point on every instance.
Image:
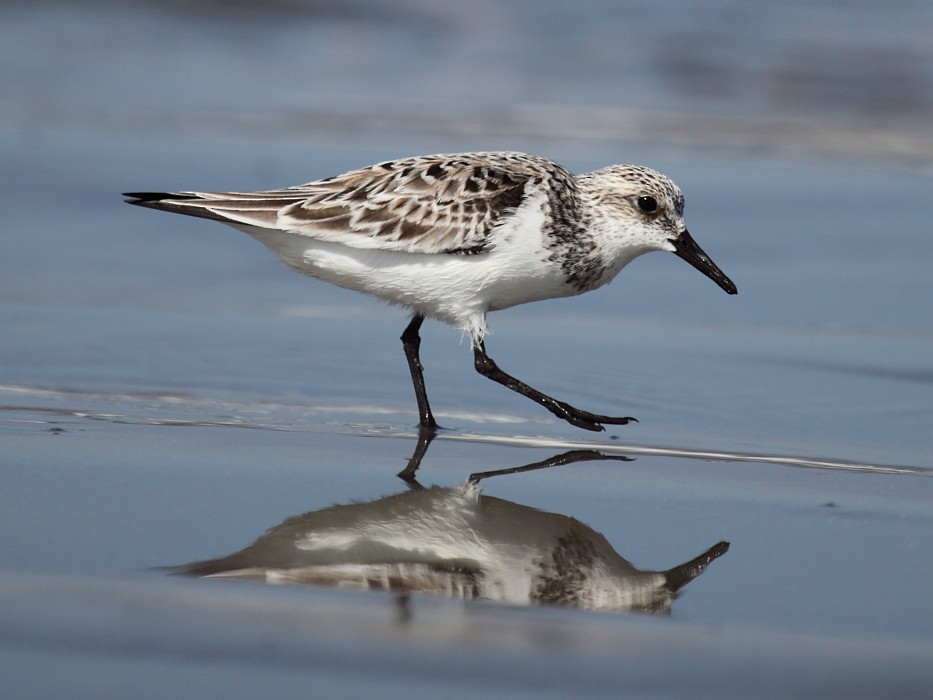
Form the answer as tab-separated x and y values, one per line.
168	392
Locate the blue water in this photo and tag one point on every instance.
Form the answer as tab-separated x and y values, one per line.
169	391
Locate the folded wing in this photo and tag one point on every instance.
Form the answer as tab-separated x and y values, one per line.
429	204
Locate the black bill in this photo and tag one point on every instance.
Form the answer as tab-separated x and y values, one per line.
687	249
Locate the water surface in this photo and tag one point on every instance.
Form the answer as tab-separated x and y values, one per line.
169	392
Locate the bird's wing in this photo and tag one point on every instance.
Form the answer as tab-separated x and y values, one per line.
428	204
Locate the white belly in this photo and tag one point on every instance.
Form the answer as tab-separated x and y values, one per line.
457	289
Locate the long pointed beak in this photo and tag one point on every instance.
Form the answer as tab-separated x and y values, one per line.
680	576
687	249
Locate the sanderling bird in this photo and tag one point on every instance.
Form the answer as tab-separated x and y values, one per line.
456	236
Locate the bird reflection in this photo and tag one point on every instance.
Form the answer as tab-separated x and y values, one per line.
459	543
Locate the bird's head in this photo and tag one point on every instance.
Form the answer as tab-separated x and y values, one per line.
640	210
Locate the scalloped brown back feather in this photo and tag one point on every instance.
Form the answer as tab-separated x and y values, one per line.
427	204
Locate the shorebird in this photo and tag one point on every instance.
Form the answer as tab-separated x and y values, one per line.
455	236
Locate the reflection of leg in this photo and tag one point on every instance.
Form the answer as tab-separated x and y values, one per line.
411	342
555	461
486	366
425	436
403	607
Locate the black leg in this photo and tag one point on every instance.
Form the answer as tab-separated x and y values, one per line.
411	341
582	419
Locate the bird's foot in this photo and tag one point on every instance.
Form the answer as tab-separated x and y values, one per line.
589	421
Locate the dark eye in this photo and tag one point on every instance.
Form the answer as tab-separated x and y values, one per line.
647	204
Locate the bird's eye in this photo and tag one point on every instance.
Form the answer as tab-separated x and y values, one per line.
648	204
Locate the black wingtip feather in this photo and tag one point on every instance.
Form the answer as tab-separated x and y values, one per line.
143	197
174	202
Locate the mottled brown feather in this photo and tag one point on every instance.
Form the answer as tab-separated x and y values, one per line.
428	204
